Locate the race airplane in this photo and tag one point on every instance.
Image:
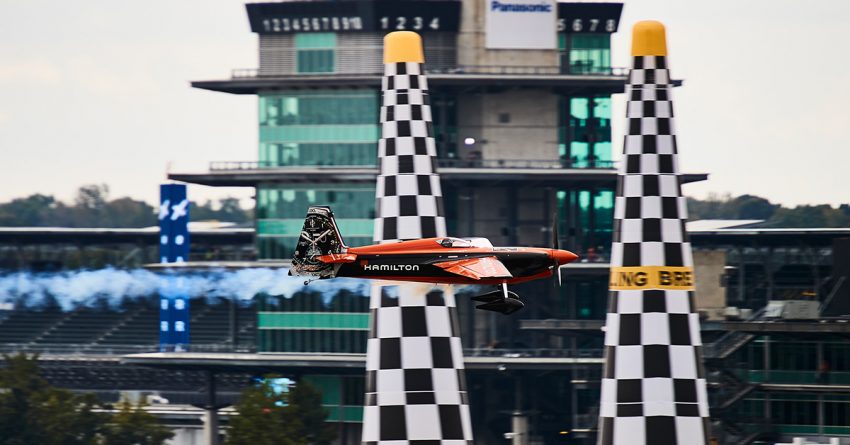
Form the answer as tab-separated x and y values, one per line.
321	253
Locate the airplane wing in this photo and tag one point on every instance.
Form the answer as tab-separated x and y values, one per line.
476	268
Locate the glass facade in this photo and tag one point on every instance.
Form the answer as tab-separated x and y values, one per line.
586	219
315	128
342	396
444	115
281	211
584	139
315	52
584	53
319	127
334	320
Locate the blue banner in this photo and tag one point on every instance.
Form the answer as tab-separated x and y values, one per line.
173	248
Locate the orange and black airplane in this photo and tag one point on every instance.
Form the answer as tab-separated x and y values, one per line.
321	253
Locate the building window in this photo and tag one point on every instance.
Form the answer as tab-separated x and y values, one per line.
585	132
586	222
281	211
585	53
316	52
322	127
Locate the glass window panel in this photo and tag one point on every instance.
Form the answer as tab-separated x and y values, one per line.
579	154
588	53
315	40
315	52
322	127
579	107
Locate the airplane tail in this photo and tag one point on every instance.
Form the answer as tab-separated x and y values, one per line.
320	236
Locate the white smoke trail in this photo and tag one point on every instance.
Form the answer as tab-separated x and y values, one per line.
75	288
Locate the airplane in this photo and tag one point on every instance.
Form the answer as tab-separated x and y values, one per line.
321	253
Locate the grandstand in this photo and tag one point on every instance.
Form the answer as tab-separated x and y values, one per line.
81	348
217	324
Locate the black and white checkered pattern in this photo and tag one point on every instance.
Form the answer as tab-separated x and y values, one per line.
653	385
410	201
415	383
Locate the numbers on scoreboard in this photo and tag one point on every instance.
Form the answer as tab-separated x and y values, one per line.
312	24
415	23
587	25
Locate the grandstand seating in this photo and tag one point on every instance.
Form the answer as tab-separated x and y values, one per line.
22	326
130	325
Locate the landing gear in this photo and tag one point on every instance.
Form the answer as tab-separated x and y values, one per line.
502	301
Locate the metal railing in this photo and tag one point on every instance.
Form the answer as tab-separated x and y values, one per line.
110	350
532	353
531	70
113	350
260	165
444	163
528	70
522	163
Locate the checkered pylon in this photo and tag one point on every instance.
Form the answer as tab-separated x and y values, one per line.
415	382
653	383
409	198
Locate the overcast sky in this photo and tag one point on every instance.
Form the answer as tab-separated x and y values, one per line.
97	91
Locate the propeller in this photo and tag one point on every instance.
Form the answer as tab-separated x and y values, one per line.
556	244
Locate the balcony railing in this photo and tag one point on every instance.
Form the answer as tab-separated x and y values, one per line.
528	70
522	163
112	350
225	166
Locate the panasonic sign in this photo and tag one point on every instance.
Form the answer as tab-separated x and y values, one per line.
522	24
520	7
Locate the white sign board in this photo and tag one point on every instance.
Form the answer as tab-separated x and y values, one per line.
522	24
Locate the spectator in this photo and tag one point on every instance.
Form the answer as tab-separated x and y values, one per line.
823	373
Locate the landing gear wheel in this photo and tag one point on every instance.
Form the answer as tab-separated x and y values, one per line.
501	301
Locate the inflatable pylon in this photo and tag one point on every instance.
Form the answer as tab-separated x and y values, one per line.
653	383
415	382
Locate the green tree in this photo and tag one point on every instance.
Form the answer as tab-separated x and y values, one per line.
264	418
269	416
753	207
34	210
305	400
132	425
93	208
128	212
228	210
33	412
92	196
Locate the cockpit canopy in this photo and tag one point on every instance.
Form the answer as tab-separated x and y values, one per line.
464	242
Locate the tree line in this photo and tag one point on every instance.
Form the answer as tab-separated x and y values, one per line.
34	412
773	215
93	207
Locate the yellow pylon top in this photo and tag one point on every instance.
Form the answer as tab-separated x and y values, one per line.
403	46
649	39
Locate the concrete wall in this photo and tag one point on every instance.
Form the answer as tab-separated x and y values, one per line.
709	267
511	124
506	215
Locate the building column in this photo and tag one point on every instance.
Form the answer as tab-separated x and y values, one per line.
211	426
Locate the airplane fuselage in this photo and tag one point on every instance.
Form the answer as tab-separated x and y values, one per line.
417	261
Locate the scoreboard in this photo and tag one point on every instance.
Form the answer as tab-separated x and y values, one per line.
409	15
354	16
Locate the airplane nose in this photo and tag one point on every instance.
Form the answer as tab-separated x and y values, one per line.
562	256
